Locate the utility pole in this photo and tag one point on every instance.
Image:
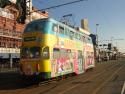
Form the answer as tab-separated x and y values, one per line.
29	10
97	34
97	48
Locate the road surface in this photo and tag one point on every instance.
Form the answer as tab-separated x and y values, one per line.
105	78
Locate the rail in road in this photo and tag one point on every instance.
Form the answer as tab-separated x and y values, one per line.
89	80
106	78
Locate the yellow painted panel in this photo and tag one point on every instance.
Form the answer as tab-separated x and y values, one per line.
45	66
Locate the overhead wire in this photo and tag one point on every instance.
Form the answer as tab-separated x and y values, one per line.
56	6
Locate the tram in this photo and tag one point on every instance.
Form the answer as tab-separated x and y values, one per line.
51	49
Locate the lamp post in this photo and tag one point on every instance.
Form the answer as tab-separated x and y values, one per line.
97	48
97	35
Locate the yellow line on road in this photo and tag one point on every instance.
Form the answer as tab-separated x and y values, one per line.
123	88
97	89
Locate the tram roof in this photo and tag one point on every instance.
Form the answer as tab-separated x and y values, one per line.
79	29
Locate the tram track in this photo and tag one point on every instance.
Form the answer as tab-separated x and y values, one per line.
110	77
70	83
73	77
69	86
102	78
98	75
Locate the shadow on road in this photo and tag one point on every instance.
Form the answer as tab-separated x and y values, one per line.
13	80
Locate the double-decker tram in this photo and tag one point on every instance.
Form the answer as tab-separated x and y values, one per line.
51	49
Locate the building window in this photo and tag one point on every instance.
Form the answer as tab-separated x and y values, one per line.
71	34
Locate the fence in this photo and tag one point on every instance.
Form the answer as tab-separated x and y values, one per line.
6	67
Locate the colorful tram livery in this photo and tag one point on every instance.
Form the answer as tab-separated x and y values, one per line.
51	49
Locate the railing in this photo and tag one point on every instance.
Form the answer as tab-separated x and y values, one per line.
5	67
10	34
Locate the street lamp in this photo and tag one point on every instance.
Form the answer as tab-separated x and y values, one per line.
97	48
97	34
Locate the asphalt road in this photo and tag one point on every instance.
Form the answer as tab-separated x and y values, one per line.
105	78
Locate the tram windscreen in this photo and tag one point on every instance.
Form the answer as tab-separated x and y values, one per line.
30	52
35	26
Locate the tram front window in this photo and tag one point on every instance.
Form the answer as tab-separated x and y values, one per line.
30	53
35	26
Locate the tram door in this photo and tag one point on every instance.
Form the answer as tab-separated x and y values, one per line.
80	62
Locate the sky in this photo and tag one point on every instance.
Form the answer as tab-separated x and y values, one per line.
109	14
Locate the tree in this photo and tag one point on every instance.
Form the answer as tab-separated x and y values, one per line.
4	3
21	6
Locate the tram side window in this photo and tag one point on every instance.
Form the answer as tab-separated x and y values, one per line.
66	32
55	28
76	35
83	38
61	30
45	53
56	53
86	41
71	34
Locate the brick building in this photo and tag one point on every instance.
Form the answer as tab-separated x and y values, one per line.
11	33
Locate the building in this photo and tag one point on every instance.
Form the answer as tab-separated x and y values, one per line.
11	33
